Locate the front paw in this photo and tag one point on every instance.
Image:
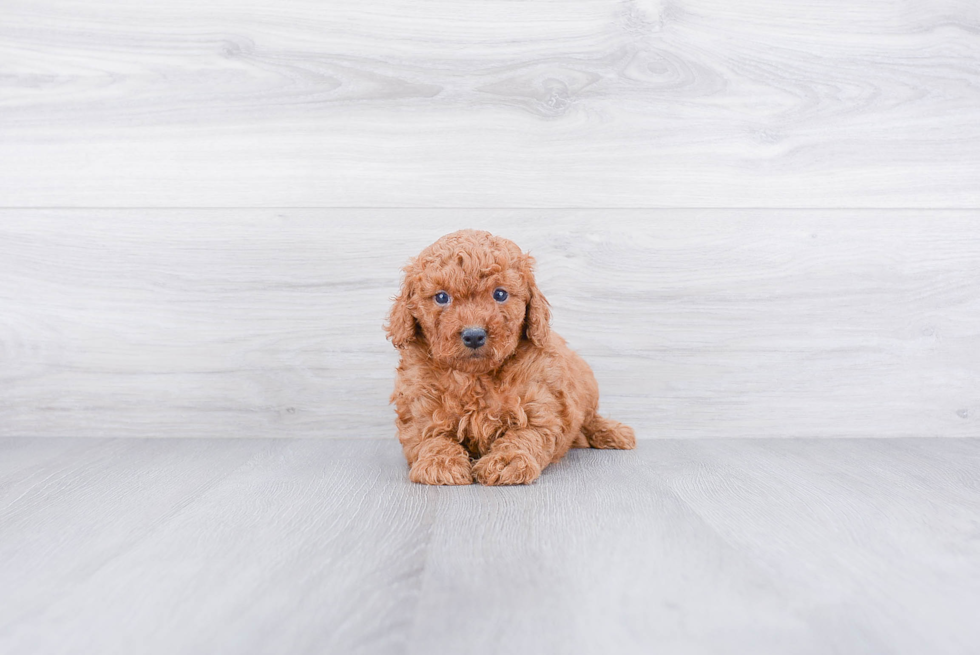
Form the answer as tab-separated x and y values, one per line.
442	469
507	467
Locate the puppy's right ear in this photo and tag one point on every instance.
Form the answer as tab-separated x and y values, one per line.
401	327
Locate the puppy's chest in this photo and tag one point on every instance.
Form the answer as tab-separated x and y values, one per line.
482	413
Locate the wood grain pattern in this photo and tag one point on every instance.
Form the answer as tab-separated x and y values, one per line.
150	545
565	103
312	546
262	323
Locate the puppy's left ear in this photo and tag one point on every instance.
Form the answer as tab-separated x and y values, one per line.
401	327
537	315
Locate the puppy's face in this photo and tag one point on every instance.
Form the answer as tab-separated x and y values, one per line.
469	298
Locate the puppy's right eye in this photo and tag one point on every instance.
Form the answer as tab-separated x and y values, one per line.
442	298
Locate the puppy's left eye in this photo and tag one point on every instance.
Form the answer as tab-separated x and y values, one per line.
500	295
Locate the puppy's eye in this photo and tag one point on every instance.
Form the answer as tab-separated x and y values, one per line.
500	295
442	298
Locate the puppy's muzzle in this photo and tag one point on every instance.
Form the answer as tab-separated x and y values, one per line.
473	337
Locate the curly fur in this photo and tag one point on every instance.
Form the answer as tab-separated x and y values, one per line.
501	413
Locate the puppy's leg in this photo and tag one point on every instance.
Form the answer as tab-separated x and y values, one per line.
438	459
515	458
608	434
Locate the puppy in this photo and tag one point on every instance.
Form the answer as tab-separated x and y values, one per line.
485	389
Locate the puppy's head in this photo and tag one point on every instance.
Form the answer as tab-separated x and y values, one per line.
469	298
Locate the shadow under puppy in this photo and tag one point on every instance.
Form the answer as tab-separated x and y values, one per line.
485	389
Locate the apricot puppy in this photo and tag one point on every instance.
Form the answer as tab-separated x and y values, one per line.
485	389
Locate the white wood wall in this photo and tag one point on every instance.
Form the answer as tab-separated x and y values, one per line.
753	218
254	322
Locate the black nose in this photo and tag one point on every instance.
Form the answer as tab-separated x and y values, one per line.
474	337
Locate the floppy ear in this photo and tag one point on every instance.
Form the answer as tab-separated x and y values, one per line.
401	326
537	315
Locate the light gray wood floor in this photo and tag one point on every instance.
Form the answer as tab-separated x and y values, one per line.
312	546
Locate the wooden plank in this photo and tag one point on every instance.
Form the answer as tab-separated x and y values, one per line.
214	546
314	546
19	456
566	103
715	546
697	323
